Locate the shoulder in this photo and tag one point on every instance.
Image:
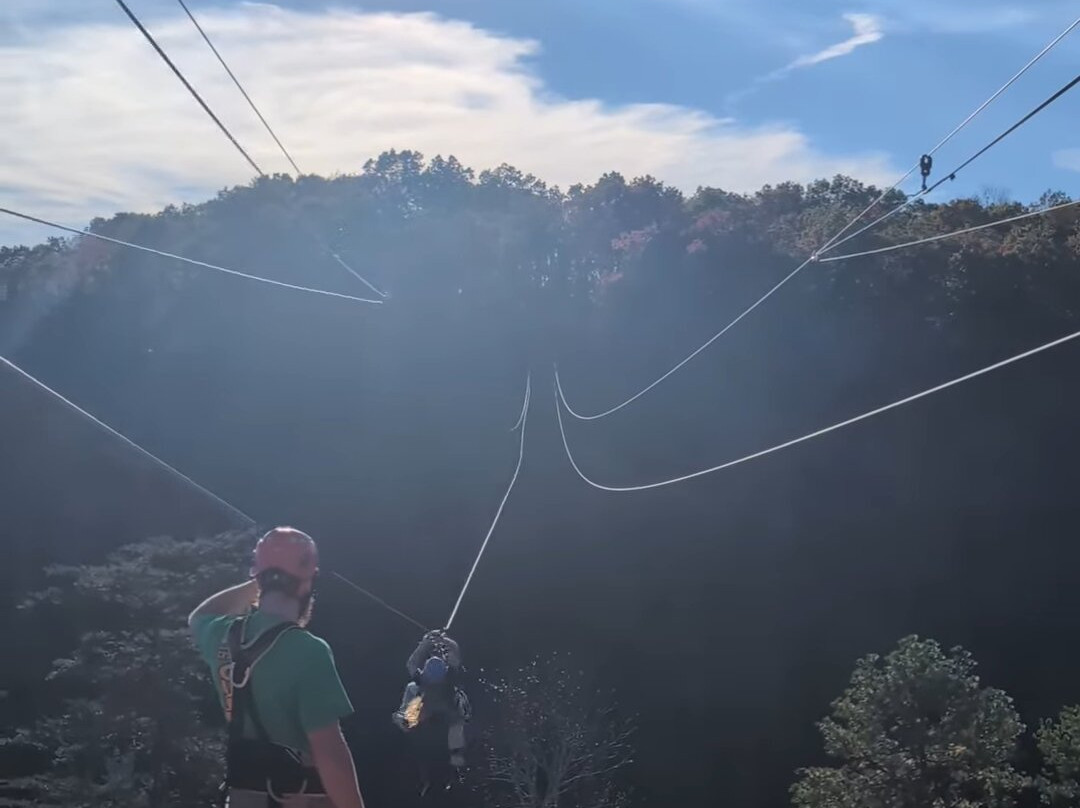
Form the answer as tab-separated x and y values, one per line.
302	641
211	624
209	631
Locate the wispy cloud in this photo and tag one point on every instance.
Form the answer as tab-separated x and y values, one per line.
866	30
1068	159
91	122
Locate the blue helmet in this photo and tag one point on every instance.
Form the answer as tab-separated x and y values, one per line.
434	671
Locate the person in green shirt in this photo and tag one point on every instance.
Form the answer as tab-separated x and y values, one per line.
277	684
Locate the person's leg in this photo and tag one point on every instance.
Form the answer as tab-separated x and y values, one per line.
433	754
456	733
455	740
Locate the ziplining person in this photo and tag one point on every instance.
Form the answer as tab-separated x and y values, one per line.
433	703
434	709
278	685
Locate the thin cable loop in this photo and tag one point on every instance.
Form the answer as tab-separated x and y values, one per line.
819	433
710	341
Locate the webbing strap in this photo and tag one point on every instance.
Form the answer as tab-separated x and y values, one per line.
239	663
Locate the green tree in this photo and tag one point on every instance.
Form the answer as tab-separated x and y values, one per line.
134	718
916	729
1059	745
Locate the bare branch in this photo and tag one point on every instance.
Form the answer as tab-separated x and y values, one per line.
555	742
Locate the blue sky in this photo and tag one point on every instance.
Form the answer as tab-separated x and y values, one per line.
733	93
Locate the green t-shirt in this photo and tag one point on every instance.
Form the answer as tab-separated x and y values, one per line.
295	685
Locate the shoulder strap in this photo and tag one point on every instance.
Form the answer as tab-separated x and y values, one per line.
243	659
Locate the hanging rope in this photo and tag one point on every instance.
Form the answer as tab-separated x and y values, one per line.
487	538
192	261
819	433
835	241
953	234
491	530
243	517
354	273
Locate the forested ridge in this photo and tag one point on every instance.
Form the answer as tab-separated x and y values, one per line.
727	611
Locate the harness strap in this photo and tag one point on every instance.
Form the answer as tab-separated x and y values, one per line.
256	764
243	660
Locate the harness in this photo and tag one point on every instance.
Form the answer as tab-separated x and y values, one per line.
257	764
457	696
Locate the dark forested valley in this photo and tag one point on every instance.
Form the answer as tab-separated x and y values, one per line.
724	614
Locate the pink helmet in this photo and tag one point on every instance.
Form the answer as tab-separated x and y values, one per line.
289	550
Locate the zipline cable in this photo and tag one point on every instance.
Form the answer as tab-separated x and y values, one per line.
206	38
834	242
379	600
247	520
819	433
929	239
491	530
239	86
963	124
192	90
191	261
694	353
952	174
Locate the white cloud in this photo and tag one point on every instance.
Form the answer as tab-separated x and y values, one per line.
866	30
92	122
1068	159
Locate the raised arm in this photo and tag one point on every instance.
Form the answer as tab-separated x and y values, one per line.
418	657
453	653
234	600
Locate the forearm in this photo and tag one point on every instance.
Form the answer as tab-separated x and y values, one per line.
234	600
453	653
334	762
419	656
